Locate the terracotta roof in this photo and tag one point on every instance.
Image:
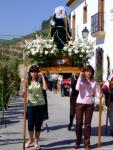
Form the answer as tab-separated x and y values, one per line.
70	2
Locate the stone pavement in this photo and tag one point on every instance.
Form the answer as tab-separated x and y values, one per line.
55	135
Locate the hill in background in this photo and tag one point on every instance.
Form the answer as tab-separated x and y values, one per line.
18	43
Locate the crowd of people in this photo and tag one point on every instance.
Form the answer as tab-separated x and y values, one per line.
54	82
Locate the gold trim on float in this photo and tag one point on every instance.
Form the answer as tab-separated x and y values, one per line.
60	69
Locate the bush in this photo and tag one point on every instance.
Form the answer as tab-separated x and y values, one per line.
9	78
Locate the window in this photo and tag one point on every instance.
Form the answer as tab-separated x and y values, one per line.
97	22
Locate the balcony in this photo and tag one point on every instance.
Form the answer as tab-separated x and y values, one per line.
97	25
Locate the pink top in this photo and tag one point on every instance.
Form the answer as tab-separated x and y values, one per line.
86	91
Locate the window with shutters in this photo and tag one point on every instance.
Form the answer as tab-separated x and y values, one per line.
97	20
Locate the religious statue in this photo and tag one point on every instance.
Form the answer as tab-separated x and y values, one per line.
60	27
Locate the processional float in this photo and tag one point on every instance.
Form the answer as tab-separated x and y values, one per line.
59	54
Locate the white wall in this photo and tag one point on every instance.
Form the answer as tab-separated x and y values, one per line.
107	42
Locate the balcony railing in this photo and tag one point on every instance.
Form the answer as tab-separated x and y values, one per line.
97	24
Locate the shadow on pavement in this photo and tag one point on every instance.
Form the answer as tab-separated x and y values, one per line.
94	131
57	127
108	143
13	114
59	145
10	141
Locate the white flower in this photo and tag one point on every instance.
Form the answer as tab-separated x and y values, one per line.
32	50
83	50
70	42
65	48
37	50
70	54
28	46
88	47
52	51
76	51
87	51
41	51
70	50
81	55
37	41
46	52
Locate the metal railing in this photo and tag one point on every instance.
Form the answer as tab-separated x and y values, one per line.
97	22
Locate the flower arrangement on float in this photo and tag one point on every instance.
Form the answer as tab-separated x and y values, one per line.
40	49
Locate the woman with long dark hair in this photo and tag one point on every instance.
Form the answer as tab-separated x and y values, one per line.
36	104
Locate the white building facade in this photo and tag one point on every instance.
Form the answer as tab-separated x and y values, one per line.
97	16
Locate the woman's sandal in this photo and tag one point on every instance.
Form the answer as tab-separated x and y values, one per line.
37	146
28	144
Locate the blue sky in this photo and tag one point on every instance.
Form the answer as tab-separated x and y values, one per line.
21	17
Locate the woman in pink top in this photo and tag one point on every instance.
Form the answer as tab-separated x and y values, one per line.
86	86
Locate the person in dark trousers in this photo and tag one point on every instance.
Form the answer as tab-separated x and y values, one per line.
108	89
87	87
45	98
34	87
73	97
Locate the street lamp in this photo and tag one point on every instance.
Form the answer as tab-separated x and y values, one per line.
85	33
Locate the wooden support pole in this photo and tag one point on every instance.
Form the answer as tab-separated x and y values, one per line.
100	114
24	126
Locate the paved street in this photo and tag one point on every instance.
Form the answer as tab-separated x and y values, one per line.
55	135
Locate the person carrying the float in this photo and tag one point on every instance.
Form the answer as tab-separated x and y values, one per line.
87	87
36	109
107	89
